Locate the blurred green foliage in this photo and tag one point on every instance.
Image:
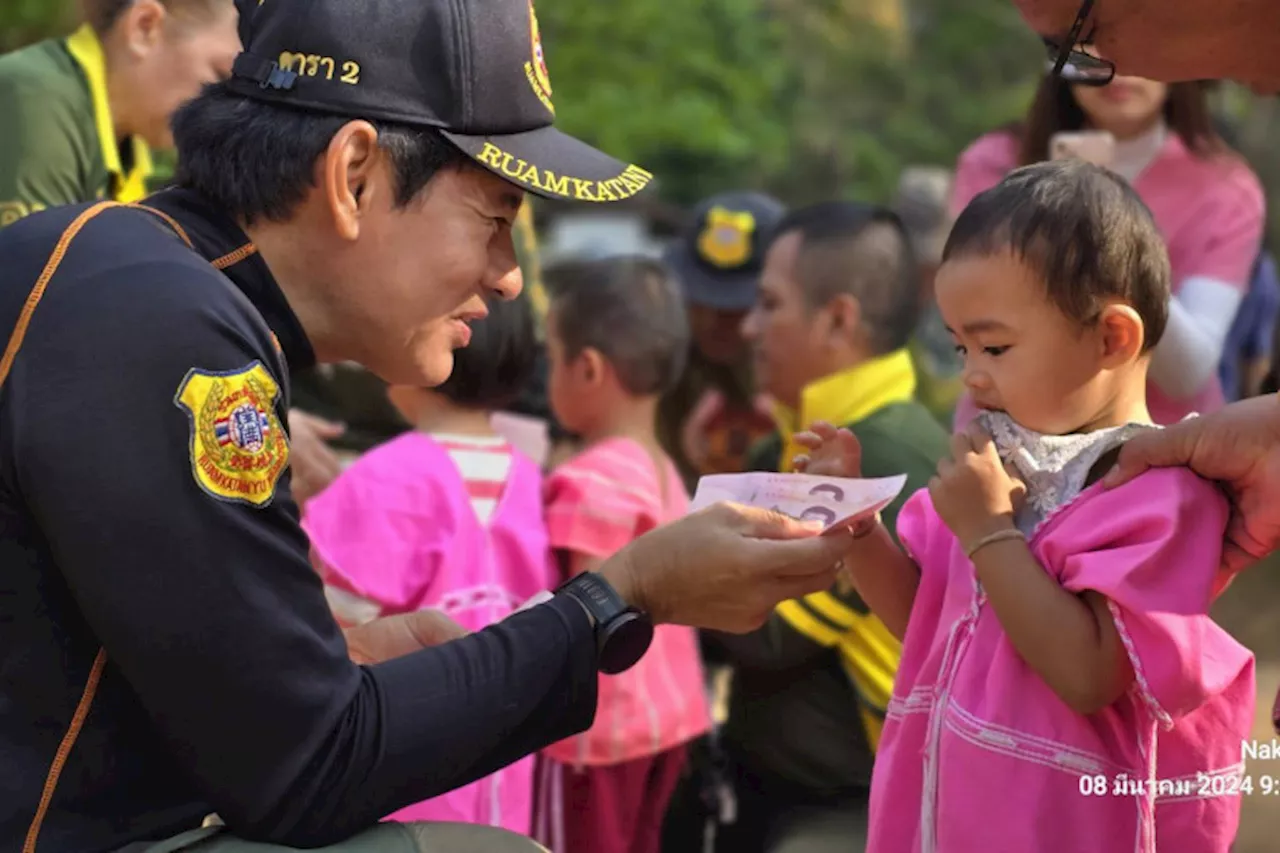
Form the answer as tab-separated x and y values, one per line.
800	97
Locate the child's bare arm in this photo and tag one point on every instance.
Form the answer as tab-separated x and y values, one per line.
883	575
1070	640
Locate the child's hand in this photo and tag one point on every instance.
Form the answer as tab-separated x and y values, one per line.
974	493
832	452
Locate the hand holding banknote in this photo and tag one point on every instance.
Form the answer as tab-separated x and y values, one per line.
826	488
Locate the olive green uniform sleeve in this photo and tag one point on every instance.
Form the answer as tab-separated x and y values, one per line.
44	155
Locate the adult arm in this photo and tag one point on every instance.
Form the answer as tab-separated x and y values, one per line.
1218	255
208	607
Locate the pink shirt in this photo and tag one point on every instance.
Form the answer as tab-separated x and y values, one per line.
1210	212
979	754
596	503
415	524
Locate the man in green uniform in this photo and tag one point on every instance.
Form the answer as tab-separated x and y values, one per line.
838	303
82	113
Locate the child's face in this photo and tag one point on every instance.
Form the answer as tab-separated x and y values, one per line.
565	390
1021	354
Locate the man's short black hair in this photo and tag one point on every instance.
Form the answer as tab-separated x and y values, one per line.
631	310
494	369
257	160
1083	230
102	15
863	251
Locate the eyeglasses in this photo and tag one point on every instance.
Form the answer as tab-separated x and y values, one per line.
1076	66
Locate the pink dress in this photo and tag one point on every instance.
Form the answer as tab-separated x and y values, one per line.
1210	212
597	502
398	531
978	753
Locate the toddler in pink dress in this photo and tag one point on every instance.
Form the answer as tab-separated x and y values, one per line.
1062	687
448	517
616	340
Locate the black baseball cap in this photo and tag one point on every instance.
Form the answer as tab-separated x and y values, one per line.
474	69
718	259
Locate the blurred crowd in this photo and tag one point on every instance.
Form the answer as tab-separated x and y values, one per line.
584	413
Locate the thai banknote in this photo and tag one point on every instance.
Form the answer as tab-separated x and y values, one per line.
837	502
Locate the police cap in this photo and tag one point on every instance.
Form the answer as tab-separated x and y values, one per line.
474	69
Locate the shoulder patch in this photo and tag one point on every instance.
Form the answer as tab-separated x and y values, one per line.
238	445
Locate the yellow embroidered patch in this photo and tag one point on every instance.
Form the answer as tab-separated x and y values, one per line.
725	240
536	69
238	445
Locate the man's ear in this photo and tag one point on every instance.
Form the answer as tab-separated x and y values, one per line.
142	26
843	318
352	174
1122	335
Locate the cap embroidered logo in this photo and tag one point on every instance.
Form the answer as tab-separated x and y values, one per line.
725	241
536	70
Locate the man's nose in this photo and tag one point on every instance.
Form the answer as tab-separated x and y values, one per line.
749	326
505	277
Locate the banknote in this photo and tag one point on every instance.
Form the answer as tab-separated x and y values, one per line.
837	502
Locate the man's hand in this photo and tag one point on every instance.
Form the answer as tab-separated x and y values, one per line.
725	568
395	636
1239	445
974	493
314	465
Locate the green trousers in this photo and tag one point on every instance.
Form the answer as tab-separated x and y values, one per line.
383	838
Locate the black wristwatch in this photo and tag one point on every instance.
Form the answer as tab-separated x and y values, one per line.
623	633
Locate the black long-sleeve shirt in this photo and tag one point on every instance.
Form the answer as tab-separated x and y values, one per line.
227	687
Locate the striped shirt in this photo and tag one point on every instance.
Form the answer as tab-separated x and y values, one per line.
483	462
596	504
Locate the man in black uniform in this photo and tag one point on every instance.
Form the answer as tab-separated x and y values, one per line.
166	649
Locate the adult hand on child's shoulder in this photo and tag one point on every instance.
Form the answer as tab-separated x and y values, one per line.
974	492
1238	445
399	635
832	452
725	567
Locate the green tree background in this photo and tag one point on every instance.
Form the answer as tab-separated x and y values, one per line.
804	98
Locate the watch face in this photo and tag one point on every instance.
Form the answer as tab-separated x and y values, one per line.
625	640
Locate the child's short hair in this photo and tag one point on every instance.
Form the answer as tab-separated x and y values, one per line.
1083	230
492	371
631	310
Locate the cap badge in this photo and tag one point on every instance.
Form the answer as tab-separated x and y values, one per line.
725	240
536	70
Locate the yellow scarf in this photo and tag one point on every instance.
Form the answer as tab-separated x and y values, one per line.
86	49
847	397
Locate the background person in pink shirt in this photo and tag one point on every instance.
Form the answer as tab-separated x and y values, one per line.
617	338
1206	201
1059	662
447	516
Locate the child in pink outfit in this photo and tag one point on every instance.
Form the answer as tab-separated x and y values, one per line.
1061	687
447	517
616	338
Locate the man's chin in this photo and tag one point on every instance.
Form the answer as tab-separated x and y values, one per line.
429	370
